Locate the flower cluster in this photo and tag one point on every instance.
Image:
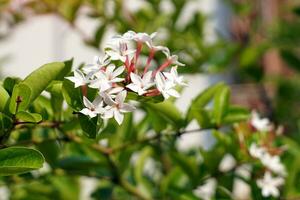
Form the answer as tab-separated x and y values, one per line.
269	157
122	70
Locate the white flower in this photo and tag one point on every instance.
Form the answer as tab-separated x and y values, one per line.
116	107
269	185
206	191
94	108
172	58
261	124
119	51
273	163
256	151
166	87
173	76
140	85
97	64
105	79
139	37
227	163
79	79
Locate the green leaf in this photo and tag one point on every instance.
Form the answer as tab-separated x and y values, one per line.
90	126
168	111
291	59
20	98
200	102
34	84
4	97
202	117
24	116
221	104
77	163
16	160
134	96
10	82
236	114
6	124
72	95
206	96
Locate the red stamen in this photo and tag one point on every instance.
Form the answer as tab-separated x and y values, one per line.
150	58
153	92
163	66
84	90
138	51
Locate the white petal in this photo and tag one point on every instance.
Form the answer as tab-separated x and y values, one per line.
115	90
173	92
127	108
116	80
118	116
110	69
97	101
120	98
95	84
88	112
136	79
87	103
105	86
77	82
118	71
107	99
169	76
133	87
159	80
108	114
147	77
165	94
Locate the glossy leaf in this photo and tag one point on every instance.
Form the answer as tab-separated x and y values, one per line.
24	116
4	98
33	85
16	160
221	104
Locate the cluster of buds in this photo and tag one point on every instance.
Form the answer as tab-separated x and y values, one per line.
121	70
269	157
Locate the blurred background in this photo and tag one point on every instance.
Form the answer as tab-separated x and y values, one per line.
251	44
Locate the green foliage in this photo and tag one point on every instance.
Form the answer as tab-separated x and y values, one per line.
15	160
25	92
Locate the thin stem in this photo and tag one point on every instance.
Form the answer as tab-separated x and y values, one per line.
150	58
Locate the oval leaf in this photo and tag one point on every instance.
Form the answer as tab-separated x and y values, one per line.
221	104
33	85
16	160
24	116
